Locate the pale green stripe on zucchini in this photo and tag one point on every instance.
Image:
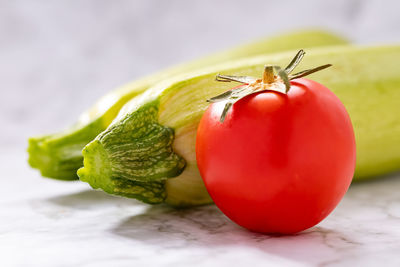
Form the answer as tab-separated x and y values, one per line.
59	155
366	79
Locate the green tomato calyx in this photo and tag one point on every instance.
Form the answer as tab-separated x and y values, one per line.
274	79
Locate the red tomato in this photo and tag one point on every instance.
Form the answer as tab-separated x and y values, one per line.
279	163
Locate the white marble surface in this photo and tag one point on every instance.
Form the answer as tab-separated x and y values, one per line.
58	57
51	223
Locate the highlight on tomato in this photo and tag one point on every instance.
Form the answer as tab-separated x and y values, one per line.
278	153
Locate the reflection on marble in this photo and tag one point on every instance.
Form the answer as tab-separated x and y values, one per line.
50	223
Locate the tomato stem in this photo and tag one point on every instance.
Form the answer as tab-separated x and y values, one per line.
268	74
270	81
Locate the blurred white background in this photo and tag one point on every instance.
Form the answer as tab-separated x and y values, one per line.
58	57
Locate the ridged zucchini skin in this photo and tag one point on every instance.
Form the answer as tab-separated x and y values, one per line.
366	79
59	155
138	157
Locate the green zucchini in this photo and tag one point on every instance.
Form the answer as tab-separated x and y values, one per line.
59	155
148	152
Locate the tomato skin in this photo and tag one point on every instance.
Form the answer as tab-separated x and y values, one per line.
278	163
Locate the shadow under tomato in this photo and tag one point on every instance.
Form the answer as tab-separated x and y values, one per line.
206	227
